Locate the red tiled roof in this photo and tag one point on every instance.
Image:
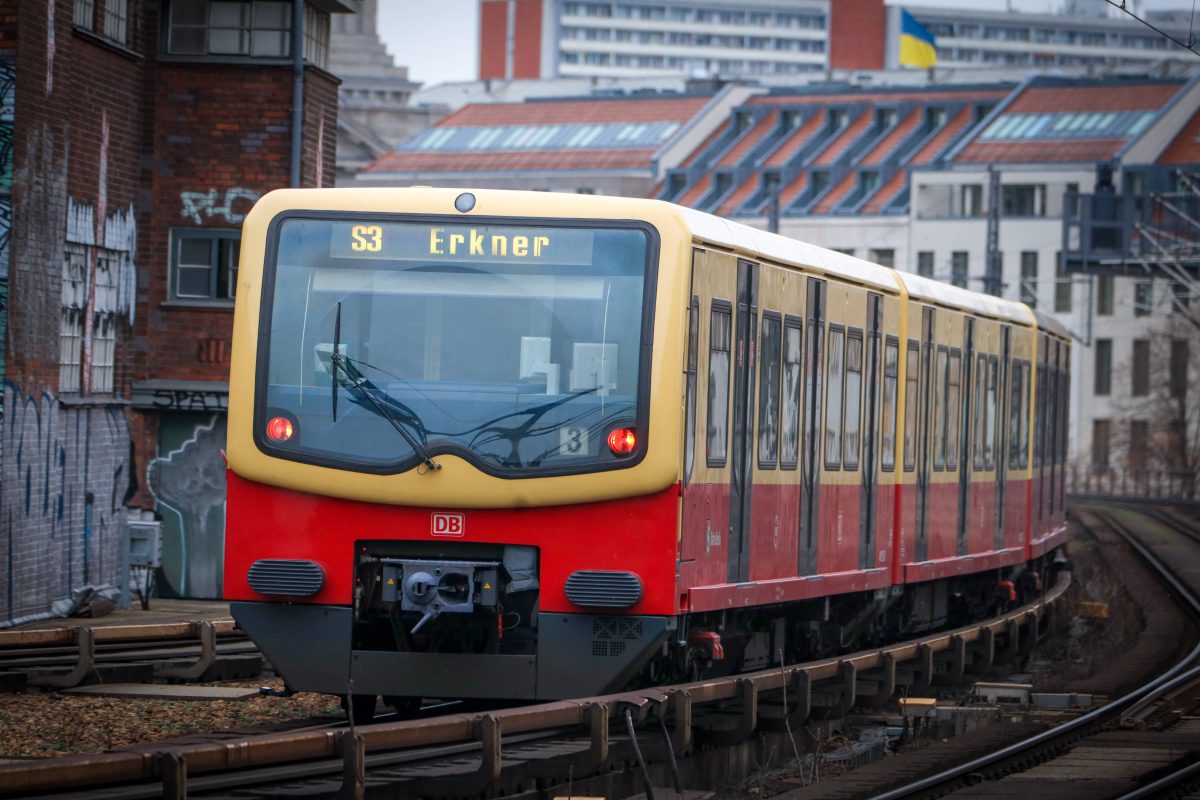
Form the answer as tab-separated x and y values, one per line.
790	192
843	140
739	196
878	97
799	137
1065	99
942	138
885	193
749	139
1185	148
835	195
698	190
880	151
708	140
1070	150
601	111
499	161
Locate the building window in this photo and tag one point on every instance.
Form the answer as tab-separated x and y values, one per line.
1062	295
1104	295
1178	369
1181	295
971	200
204	264
223	28
958	268
85	14
1103	383
316	37
1100	442
1023	200
1029	277
885	258
925	263
74	306
116	20
1139	438
1143	298
1141	367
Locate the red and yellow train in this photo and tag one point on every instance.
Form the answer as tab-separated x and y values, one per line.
526	445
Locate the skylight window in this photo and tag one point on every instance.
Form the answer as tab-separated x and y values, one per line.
1071	125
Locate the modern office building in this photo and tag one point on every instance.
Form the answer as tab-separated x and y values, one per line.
778	40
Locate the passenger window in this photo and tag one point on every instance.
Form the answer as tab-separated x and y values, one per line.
853	419
891	367
912	373
833	397
718	385
1016	409
941	382
768	391
978	418
953	410
689	447
989	433
789	427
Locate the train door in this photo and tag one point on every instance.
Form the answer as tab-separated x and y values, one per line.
810	465
741	478
705	535
924	434
1001	451
870	478
966	403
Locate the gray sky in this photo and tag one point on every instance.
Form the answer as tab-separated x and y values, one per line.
438	39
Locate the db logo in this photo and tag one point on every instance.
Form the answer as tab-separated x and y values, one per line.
449	525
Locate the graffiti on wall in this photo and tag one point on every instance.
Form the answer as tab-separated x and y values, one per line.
232	205
8	97
189	485
65	474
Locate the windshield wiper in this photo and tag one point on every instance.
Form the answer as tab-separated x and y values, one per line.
356	380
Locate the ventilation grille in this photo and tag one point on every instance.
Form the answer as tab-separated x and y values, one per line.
610	634
284	577
597	589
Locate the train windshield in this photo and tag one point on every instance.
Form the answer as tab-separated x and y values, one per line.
519	347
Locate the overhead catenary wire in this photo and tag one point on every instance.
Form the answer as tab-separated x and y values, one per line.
1188	45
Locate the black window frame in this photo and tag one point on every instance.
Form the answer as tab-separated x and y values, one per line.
954	377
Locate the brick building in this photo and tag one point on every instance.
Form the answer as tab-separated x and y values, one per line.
135	138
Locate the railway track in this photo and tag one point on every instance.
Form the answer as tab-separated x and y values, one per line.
59	658
620	740
1143	744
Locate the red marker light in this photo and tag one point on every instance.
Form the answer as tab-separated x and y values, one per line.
280	429
622	441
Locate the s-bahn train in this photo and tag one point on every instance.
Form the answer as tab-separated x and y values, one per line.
525	445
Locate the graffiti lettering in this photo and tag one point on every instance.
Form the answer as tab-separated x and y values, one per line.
233	205
182	400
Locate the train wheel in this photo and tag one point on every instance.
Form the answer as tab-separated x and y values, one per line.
363	707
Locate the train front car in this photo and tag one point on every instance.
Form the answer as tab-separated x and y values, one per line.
450	474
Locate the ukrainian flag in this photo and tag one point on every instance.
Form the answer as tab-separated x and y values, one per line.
918	47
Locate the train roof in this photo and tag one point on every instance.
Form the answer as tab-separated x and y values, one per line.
737	236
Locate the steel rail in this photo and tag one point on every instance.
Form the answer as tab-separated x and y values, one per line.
967	774
675	703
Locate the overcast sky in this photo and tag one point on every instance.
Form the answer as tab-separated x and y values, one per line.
438	40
